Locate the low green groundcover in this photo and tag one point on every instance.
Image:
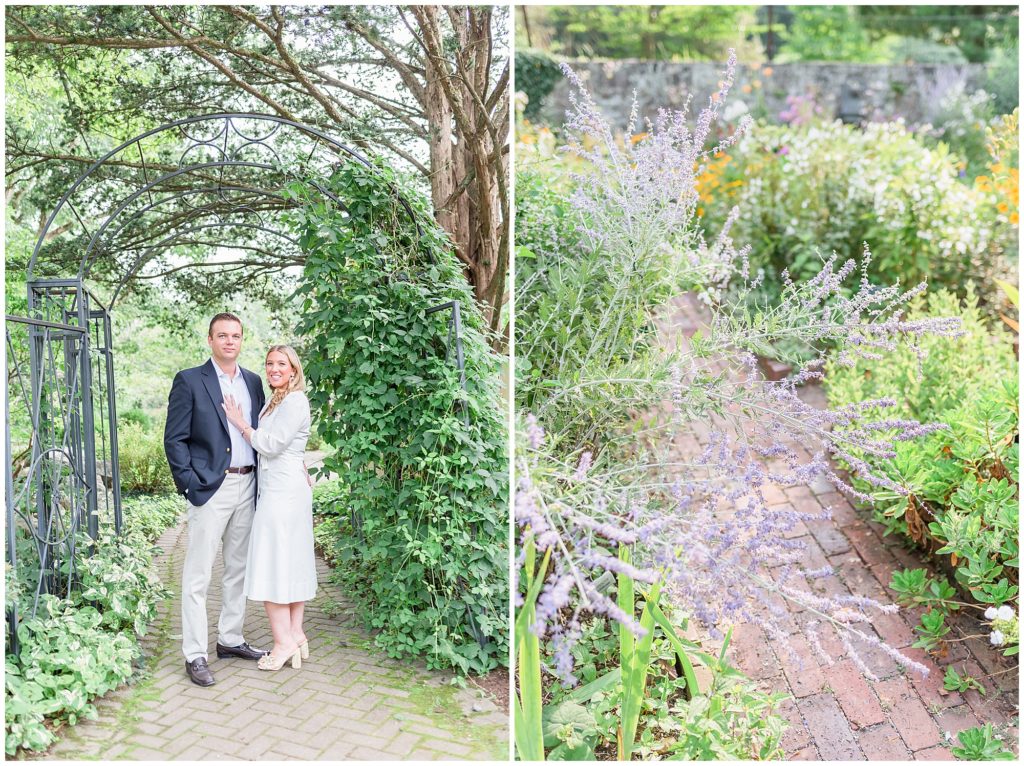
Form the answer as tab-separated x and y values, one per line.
77	648
960	485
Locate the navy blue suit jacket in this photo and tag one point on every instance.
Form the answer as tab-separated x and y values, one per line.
196	436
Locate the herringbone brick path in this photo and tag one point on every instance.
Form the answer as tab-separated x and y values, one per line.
835	714
347	702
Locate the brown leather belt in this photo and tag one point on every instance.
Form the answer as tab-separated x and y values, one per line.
243	469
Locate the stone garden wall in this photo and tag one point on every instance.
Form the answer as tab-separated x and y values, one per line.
877	92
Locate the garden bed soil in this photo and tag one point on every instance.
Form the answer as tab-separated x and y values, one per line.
495	684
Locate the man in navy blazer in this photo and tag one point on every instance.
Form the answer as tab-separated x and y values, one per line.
214	468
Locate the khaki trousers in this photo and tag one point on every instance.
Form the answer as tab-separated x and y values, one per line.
224	521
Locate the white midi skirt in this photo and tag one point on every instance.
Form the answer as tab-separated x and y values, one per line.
281	566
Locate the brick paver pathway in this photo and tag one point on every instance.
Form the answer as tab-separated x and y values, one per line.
836	714
347	702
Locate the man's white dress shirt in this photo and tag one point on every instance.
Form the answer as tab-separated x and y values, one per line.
241	451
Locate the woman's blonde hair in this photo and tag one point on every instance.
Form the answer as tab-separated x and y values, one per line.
298	381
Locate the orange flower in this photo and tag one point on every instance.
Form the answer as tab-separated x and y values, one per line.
746	88
768	71
636	139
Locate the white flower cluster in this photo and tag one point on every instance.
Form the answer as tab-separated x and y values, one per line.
824	181
1004	614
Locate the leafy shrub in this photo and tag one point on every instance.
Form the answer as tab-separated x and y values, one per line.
136	416
954	491
331	516
1003	172
1004	79
67	659
581	312
729	719
961	122
810	190
76	649
315	441
117	581
329	498
537	73
427	560
948	372
142	460
920	50
150	515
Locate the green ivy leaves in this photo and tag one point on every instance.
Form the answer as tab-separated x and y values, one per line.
420	535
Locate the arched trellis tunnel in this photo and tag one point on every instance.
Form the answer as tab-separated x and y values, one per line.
153	198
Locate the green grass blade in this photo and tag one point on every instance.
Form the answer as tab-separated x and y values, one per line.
635	679
1010	290
692	688
524	620
604	683
525	744
530	706
627	601
725	645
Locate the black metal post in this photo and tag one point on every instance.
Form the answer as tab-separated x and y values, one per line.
455	326
38	332
115	466
92	524
12	556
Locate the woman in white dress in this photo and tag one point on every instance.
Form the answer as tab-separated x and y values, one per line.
281	569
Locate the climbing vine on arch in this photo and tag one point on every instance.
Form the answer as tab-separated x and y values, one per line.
420	525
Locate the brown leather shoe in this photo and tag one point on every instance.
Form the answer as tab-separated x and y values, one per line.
199	672
243	650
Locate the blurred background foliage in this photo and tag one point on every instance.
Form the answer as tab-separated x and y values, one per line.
780	33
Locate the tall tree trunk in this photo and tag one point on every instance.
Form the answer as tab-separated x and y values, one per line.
456	85
444	176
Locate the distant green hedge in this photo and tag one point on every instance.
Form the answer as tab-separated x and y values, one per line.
141	459
537	73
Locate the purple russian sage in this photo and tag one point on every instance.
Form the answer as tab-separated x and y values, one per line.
639	195
684	481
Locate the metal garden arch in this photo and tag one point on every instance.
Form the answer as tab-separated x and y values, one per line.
161	189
